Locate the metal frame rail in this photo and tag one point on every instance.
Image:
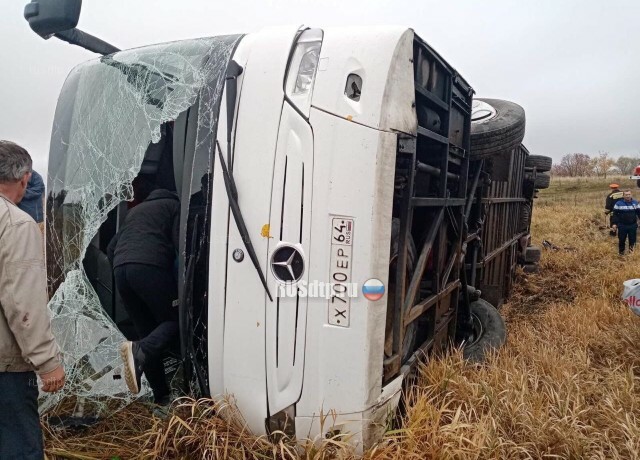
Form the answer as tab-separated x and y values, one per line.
432	202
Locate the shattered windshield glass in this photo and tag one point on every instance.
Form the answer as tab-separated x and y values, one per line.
112	115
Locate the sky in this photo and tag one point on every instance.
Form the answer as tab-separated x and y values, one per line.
573	65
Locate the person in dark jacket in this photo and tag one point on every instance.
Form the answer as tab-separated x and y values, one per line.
625	221
612	199
143	254
33	198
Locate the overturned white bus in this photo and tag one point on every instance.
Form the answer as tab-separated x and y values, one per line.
301	156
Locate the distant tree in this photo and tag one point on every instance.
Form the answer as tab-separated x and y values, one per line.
556	170
601	164
627	164
574	165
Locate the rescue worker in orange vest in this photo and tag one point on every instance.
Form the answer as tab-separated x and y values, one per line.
612	199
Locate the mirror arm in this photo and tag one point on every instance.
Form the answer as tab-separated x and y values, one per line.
86	41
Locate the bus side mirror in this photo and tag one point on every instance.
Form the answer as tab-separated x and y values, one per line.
47	17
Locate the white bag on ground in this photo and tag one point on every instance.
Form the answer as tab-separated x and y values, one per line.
631	295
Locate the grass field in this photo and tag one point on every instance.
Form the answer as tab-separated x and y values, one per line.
564	386
577	189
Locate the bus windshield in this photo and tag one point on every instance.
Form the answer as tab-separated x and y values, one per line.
119	116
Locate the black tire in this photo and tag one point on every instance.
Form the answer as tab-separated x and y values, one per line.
411	330
490	331
532	254
525	217
638	183
542	181
499	132
540	162
531	268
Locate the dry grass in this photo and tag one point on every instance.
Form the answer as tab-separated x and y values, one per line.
564	386
195	429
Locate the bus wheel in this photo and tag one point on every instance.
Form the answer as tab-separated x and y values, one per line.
542	181
489	331
540	162
496	126
525	217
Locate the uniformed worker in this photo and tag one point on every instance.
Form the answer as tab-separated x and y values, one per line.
612	199
626	213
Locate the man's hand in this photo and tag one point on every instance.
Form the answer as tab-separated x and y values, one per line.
53	381
614	226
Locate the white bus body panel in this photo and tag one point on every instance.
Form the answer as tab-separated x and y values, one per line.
290	223
242	365
355	145
383	58
343	365
220	217
270	355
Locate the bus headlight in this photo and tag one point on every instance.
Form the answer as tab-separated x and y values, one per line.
302	69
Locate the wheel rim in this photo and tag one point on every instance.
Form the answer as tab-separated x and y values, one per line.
476	328
481	111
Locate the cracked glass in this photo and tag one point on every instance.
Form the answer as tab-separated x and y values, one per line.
151	110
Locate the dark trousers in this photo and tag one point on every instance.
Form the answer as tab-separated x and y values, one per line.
20	433
148	293
624	232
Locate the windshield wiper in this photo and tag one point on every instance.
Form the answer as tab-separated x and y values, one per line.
234	70
232	194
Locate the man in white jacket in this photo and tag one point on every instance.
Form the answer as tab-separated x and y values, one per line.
27	346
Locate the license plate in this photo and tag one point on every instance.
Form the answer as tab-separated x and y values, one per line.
339	306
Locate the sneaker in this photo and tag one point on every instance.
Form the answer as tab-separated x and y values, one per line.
132	357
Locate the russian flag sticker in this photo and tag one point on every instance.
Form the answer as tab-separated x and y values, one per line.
373	289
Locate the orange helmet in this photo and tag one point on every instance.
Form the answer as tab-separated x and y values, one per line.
614	186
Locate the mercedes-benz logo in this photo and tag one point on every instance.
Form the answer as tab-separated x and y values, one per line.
287	264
